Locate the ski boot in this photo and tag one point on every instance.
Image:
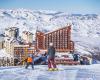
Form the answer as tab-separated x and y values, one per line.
50	69
55	69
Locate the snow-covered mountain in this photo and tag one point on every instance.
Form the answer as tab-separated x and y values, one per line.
85	27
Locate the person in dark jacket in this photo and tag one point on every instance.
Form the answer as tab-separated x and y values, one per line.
51	58
76	57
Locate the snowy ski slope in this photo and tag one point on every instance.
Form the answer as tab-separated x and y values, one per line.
86	72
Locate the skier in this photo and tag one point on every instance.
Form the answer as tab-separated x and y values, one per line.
51	58
30	61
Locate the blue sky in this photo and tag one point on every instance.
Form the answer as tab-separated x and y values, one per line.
70	6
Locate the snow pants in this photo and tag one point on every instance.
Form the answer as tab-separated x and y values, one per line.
51	63
29	63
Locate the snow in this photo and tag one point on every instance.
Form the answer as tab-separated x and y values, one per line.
79	72
85	27
82	50
85	34
3	53
61	54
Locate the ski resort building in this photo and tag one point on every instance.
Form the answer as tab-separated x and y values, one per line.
14	45
12	32
27	37
1	42
9	45
11	35
22	51
61	39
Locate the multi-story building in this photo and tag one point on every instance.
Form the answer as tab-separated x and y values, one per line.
22	51
27	37
9	45
11	35
12	32
15	49
12	43
1	42
60	38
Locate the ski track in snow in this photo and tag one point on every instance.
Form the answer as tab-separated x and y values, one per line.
89	72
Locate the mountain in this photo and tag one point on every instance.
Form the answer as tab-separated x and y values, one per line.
85	27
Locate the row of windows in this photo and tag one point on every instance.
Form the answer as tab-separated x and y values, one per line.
59	38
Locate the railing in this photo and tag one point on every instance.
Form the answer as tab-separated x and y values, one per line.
66	62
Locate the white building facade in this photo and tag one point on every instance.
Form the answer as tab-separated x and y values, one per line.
27	36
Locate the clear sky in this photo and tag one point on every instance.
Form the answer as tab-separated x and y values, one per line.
70	6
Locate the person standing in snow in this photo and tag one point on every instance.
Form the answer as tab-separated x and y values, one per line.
30	61
30	58
76	57
51	58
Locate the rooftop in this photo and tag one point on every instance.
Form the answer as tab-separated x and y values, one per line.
27	33
11	28
58	29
